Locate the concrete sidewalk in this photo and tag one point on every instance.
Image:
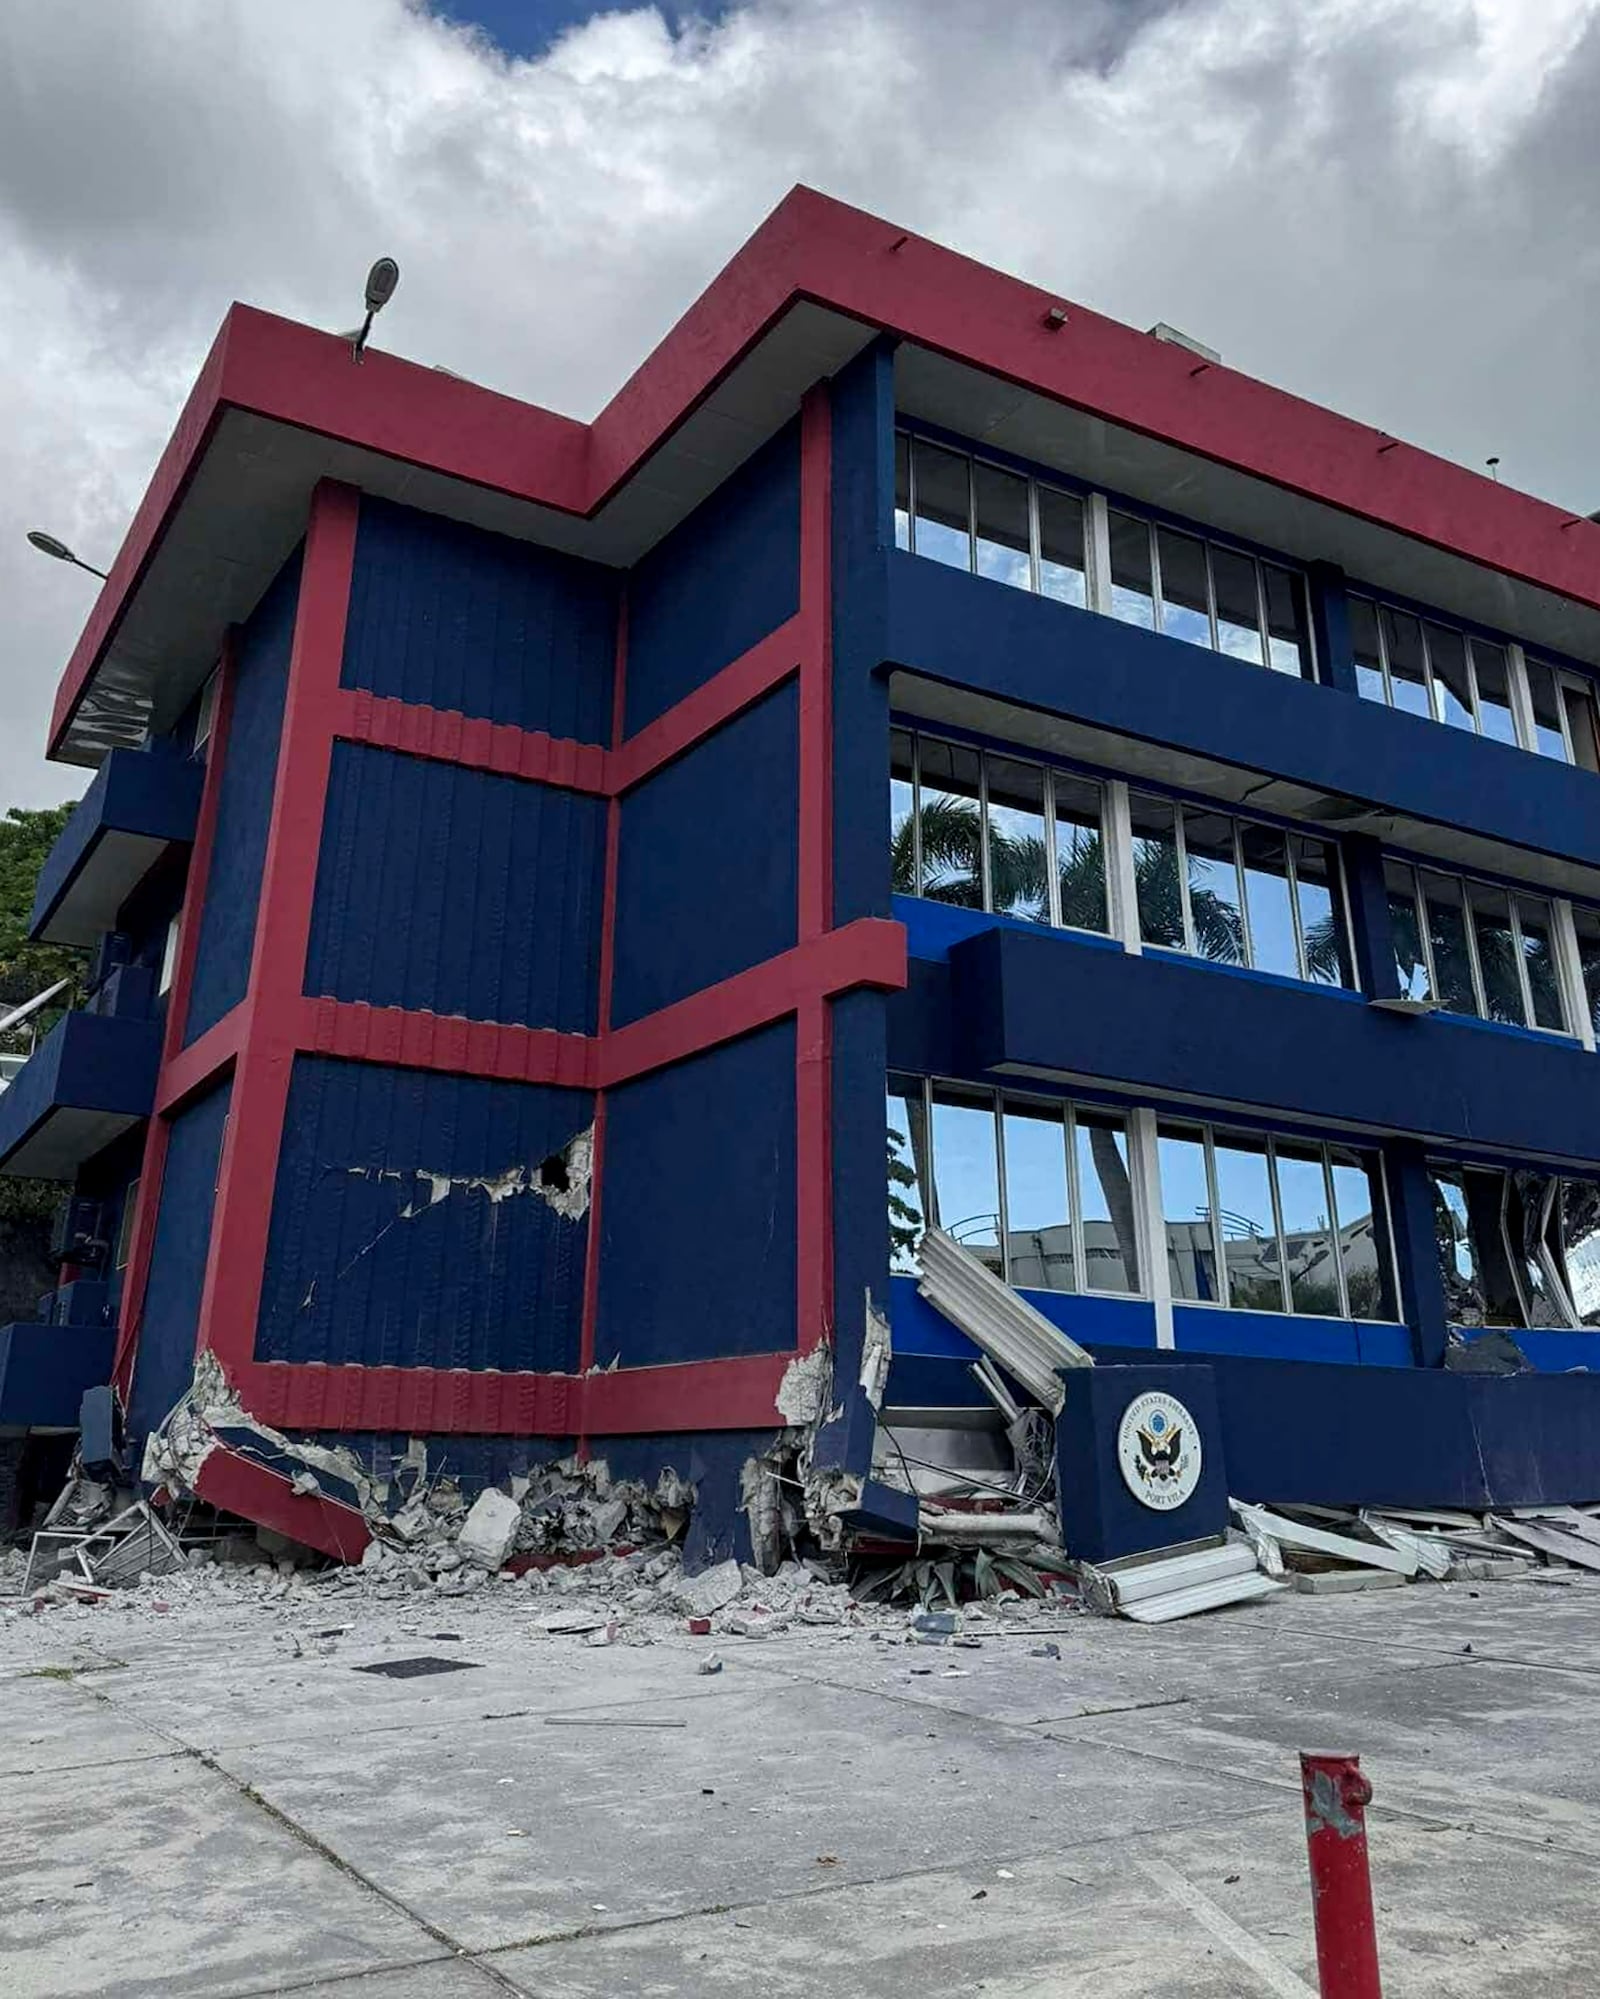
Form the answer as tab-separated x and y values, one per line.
190	1808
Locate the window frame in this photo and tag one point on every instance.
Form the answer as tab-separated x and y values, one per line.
1513	892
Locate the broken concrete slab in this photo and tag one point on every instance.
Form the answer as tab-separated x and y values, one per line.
710	1591
489	1531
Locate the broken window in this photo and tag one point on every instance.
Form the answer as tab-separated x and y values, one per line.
1517	1247
908	1170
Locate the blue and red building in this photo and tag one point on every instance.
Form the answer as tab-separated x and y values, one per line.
525	856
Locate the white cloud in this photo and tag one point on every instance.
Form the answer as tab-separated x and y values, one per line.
1382	204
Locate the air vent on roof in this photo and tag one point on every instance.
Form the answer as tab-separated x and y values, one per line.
1161	331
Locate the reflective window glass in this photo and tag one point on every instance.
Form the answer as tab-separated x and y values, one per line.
1322	927
1238	607
1447	935
1019	872
1496	1242
1039	1243
1249	1230
902	811
1452	678
1186	1213
1264	853
1288	621
1063	571
1539	961
1002	514
1587	924
1105	1199
1080	853
1132	593
950	825
1580	1247
966	1176
1214	909
902	490
1155	869
908	1167
1365	647
1310	1260
1408	677
1361	1216
1495	716
1185	608
944	506
1405	932
1497	952
1545	695
1578	700
1458	1256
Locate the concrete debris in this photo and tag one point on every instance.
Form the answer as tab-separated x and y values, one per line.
490	1529
710	1591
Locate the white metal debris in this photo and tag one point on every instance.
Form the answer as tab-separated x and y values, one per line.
1157	1589
1004	1325
1316	1540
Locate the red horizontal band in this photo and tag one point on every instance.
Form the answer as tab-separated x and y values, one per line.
413	1039
234	1485
445	736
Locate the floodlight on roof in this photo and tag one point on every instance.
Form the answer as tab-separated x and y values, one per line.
381	282
47	544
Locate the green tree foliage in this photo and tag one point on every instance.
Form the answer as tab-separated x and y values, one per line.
26	837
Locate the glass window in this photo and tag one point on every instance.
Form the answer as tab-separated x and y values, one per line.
1362	1218
1495	716
1288	621
1080	853
1364	644
1322	929
1002	509
1214	910
1447	936
944	506
966	1176
1155	869
1105	1202
206	715
902	815
1458	1255
1587	924
1497	952
124	1248
1186	1213
1264	853
1249	1227
1063	571
1310	1260
1132	592
1577	697
1408	673
1545	696
1039	1245
1452	677
1019	872
1185	603
1539	962
908	1170
949	823
902	490
1410	958
1238	606
1579	1227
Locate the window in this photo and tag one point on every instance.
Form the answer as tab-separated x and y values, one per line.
1264	1224
975	515
987	831
1433	669
169	956
1041	1191
1239	893
1477	949
1517	1248
124	1248
206	715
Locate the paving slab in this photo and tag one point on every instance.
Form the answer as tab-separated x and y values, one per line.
54	1722
158	1880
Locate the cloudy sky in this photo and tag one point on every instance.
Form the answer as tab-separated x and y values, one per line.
1386	205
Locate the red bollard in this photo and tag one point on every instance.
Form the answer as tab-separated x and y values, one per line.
1336	1797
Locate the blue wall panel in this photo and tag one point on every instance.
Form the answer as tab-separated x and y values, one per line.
244	808
165	1362
719	582
707	876
697	1236
451	617
382	1252
457	891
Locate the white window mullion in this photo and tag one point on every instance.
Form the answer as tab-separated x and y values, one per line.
1420	902
1335	1239
985	886
1569	963
1219	1257
1052	873
1521	698
1080	1251
1520	951
1150	1229
1292	876
1002	1215
1122	883
1244	900
1097	555
1035	539
1277	1223
1181	845
1474	965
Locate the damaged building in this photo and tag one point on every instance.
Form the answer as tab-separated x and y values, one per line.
524	857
